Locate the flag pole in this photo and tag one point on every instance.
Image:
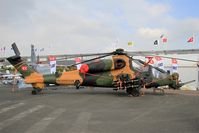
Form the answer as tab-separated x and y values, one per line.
116	44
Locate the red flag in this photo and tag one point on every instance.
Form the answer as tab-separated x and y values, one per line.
164	40
174	61
51	58
190	39
158	58
77	60
174	65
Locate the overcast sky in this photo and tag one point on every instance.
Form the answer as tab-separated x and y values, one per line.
89	26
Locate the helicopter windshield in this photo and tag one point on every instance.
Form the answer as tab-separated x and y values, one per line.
139	66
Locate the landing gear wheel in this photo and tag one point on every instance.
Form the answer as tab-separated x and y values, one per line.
36	91
135	93
77	84
128	90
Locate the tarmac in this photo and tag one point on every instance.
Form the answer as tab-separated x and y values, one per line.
97	110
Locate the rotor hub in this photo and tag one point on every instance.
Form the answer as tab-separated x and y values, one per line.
119	51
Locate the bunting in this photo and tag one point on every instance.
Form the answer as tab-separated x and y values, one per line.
78	60
52	62
159	63
174	65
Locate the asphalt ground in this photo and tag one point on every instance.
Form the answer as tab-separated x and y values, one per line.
97	110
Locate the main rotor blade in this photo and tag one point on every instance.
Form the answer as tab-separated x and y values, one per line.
165	52
92	59
68	56
182	59
167	57
65	57
144	63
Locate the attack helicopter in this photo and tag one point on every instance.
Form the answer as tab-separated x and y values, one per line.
117	72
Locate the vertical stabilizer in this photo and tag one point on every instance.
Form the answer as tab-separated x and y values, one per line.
19	63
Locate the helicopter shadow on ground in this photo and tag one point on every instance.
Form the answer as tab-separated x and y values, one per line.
93	91
64	90
89	92
151	92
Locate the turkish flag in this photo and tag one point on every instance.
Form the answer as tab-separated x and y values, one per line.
24	68
190	39
174	61
164	40
77	60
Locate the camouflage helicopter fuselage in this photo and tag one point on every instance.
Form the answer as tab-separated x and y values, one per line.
102	73
116	72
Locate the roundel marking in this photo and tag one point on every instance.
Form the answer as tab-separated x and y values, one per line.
24	68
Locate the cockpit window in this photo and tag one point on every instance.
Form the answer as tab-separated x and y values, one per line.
119	63
139	67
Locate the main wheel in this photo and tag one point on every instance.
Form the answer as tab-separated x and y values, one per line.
36	91
77	84
135	92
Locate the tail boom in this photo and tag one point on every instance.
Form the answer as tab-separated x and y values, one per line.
29	74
